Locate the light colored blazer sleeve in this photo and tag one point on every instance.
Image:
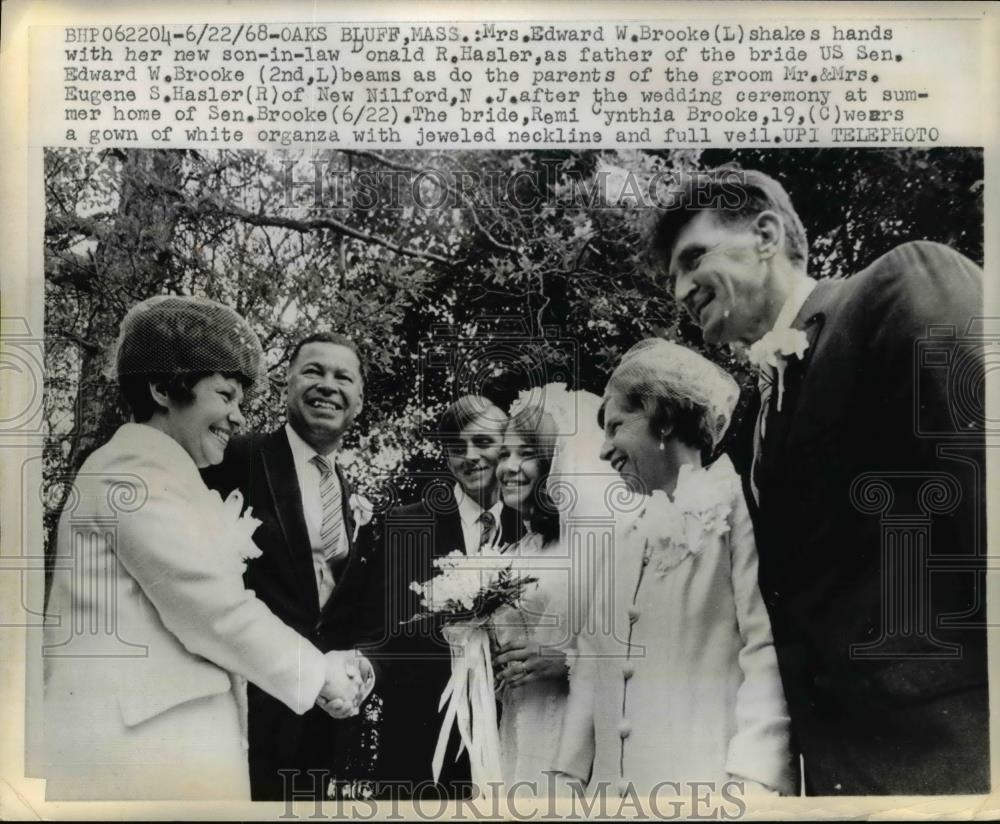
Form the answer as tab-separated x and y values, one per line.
759	751
169	546
576	744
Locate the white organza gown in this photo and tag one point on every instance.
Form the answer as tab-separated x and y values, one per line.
532	716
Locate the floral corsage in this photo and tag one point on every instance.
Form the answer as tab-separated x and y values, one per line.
238	527
673	530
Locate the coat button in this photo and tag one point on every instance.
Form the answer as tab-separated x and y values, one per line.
628	670
623	788
624	729
633	613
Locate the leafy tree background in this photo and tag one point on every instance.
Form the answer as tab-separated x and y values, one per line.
454	271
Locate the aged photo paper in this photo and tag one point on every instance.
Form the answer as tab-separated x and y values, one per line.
499	410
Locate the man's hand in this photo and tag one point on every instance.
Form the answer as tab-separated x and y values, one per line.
349	680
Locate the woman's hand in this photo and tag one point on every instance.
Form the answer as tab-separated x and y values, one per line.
519	663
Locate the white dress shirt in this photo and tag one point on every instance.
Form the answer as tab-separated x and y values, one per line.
793	304
469	511
308	475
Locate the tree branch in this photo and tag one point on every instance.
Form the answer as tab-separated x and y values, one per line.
83	343
503	247
303	226
68	223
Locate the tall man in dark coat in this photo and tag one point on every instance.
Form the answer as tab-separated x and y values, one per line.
865	475
313	572
462	511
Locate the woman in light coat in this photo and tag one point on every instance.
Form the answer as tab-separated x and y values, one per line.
676	679
150	630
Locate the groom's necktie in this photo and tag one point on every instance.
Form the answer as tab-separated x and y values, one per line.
765	383
489	524
331	525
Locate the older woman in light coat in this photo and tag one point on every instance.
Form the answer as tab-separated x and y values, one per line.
676	679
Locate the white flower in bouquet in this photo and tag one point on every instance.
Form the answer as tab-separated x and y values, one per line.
465	593
467	588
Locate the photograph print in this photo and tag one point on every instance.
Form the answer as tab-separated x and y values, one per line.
446	475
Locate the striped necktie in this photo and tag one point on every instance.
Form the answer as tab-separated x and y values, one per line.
329	495
489	526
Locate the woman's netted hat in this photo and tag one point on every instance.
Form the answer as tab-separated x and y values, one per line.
676	374
175	335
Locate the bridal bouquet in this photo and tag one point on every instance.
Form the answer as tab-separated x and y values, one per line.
466	592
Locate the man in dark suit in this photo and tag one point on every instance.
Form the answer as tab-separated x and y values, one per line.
865	475
313	573
460	512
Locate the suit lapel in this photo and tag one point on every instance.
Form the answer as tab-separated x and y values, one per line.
443	528
511	527
348	513
279	467
812	315
448	534
811	319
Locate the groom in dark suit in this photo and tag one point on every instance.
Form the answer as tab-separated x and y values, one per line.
314	572
461	512
865	474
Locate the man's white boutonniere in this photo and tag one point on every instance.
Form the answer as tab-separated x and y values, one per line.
240	527
362	509
774	349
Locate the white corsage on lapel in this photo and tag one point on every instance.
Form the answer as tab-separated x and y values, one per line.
362	509
237	529
670	531
774	349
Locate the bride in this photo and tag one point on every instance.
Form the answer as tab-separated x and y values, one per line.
540	479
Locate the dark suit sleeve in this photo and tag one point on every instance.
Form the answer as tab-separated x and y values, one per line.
371	620
924	376
403	540
389	597
925	372
915	287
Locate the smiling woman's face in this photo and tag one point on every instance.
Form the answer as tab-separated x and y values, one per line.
631	447
472	456
204	425
518	471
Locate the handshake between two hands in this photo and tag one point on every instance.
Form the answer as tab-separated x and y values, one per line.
349	680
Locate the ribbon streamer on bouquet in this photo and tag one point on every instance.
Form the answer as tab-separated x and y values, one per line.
471	705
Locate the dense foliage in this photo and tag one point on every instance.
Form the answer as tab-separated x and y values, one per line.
454	271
